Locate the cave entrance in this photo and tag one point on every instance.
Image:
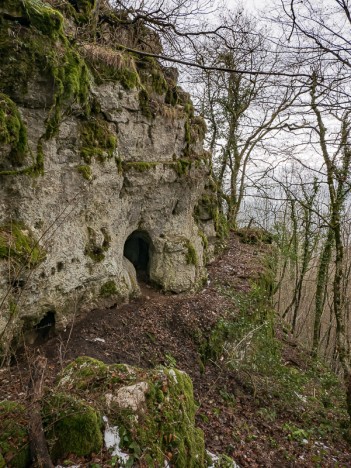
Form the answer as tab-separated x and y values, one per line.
137	249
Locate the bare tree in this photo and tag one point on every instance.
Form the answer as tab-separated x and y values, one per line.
242	112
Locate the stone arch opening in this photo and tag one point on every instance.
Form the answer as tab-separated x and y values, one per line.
138	250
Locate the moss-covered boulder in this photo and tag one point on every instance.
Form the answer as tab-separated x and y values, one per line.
82	374
73	426
14	446
153	410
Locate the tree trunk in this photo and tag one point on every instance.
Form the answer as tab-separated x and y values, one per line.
38	446
322	279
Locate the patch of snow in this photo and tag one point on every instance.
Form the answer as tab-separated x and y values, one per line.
100	340
215	458
113	440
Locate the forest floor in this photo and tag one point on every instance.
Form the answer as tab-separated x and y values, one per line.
268	405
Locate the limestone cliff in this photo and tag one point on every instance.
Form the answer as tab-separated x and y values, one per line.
101	164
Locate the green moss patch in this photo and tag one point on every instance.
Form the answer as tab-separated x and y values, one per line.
43	18
86	172
169	426
18	244
40	48
209	203
144	104
97	140
172	96
72	83
108	289
83	373
85	9
14	443
254	236
111	65
12	130
198	127
139	166
182	166
72	426
93	249
191	255
194	129
151	75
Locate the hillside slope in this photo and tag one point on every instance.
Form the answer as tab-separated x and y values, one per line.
261	399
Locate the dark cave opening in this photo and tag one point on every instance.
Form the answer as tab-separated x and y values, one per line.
45	329
137	249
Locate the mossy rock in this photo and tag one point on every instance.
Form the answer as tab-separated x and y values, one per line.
162	429
191	254
72	426
85	171
139	166
209	204
104	69
12	130
14	444
254	236
97	140
108	289
42	17
38	49
18	244
88	374
152	75
144	104
95	250
168	425
182	166
83	373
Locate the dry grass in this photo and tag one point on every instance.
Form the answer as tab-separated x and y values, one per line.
116	59
171	113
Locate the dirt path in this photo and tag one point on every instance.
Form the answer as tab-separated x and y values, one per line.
164	329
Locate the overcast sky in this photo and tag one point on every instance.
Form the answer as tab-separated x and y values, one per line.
252	5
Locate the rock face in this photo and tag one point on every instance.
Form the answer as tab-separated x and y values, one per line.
97	148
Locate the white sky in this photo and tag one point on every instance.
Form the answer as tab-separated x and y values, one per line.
249	4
